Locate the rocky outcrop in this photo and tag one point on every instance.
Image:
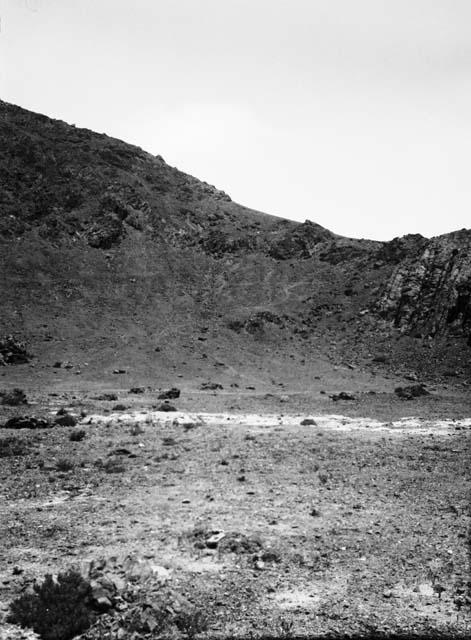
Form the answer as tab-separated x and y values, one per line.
298	242
430	292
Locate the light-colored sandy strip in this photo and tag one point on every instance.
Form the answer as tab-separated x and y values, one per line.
330	422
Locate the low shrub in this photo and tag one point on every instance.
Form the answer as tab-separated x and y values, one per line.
13	351
66	420
13	446
114	465
120	407
136	429
77	435
64	465
191	623
107	397
56	609
13	398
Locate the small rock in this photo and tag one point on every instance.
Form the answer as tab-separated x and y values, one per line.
343	395
213	540
425	589
211	386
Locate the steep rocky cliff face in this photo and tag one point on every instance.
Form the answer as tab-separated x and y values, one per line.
429	291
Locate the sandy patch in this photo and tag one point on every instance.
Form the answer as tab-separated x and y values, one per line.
409	425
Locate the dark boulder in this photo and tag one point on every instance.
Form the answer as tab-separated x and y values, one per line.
65	420
170	394
165	406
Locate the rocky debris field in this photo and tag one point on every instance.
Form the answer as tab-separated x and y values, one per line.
224	524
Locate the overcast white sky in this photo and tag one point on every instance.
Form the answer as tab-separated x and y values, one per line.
355	114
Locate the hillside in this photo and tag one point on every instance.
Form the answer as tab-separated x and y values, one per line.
112	258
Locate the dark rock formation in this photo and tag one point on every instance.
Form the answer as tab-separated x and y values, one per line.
430	291
27	422
410	392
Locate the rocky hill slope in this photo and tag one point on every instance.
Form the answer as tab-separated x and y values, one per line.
108	254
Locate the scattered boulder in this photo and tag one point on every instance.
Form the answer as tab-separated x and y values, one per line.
136	390
308	422
65	420
412	391
13	398
214	539
165	406
27	422
119	371
169	394
211	386
343	395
